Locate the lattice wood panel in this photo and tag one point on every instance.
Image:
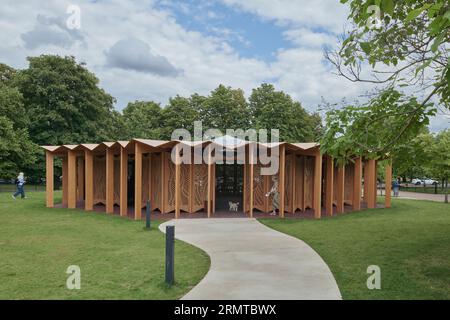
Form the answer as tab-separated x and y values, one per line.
247	187
145	186
185	187
348	189
99	180
309	182
156	182
170	170
289	181
299	183
200	187
259	198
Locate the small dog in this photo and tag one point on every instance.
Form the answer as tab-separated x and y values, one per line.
233	206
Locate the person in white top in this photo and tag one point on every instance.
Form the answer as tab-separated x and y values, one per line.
275	196
20	181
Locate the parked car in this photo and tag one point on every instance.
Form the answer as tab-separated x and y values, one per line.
430	182
417	182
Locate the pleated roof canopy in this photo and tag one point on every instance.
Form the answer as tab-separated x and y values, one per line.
227	142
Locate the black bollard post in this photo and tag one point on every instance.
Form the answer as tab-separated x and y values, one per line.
170	250
147	215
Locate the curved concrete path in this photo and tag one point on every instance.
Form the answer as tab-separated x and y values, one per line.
250	261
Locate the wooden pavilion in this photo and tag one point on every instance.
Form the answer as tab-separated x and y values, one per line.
123	175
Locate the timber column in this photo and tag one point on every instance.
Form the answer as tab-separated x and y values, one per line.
72	179
109	181
329	186
340	192
89	180
282	179
49	179
123	182
387	184
317	204
357	185
137	181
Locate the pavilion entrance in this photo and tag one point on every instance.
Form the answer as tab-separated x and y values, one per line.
229	187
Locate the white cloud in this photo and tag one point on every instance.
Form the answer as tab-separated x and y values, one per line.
51	31
321	13
163	46
134	54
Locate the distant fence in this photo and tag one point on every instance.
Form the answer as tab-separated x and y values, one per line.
10	186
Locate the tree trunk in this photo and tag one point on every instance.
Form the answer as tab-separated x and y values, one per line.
446	190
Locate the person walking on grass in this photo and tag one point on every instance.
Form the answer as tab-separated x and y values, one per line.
396	187
275	196
20	181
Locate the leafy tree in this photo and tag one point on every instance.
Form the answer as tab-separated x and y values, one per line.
143	120
438	149
180	113
7	74
374	129
17	152
64	101
272	109
408	48
410	160
225	108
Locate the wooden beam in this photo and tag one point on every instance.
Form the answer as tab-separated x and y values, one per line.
244	187
149	180
388	185
329	186
65	176
49	176
304	159
375	182
366	181
340	192
293	203
137	181
371	184
89	180
123	182
72	180
251	160
177	182
282	179
209	192
109	181
80	179
163	182
191	184
318	185
213	187
357	185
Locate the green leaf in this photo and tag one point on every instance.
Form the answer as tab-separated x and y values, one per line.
388	6
365	46
437	42
447	15
416	12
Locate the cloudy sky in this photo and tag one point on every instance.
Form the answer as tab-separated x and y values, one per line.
155	49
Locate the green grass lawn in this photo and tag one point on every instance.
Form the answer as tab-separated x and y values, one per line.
117	257
409	242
